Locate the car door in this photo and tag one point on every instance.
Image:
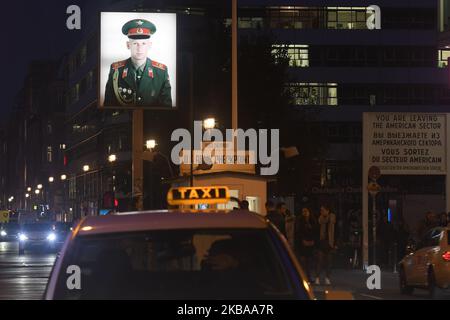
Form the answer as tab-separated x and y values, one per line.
416	261
427	254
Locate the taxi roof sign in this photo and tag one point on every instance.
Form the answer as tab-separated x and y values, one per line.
198	195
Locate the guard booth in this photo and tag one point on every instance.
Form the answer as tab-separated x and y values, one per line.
241	185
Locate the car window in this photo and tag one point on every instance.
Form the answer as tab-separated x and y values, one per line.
448	238
183	264
431	239
436	235
36	227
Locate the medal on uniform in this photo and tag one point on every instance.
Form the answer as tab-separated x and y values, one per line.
150	73
125	73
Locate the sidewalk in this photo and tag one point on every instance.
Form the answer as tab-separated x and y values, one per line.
355	281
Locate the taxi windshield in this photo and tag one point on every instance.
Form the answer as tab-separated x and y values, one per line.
182	264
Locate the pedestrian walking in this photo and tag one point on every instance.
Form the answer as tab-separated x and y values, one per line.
326	244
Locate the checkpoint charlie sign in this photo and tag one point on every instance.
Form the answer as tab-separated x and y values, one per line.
406	143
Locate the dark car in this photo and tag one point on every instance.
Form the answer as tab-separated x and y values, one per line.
35	235
9	231
62	230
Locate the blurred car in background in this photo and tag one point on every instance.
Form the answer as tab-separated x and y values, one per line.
37	235
62	230
9	231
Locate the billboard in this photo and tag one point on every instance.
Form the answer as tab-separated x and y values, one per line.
406	143
138	60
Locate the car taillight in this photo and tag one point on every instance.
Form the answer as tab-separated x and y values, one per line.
446	256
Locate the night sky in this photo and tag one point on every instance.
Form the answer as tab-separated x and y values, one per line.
32	30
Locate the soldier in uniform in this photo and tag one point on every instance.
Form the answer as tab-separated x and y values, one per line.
138	81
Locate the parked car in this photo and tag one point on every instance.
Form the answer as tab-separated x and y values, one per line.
427	265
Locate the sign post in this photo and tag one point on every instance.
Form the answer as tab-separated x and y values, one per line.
374	188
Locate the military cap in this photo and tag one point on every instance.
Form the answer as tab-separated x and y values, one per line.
138	29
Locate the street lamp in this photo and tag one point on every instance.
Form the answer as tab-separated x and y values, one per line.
39	186
209	123
86	168
63	177
27	195
51	179
29	189
37	191
112	158
150	144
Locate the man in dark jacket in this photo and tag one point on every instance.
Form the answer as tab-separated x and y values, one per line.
275	217
426	224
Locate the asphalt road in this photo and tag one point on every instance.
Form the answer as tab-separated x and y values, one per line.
23	277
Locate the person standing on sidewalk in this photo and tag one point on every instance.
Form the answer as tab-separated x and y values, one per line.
327	222
275	217
289	220
305	239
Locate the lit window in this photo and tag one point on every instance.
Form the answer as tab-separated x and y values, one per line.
308	94
49	154
347	18
250	22
298	54
443	56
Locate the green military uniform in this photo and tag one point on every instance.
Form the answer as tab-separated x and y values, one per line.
127	86
147	85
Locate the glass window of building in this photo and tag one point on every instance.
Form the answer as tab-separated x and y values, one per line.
309	94
347	18
298	54
443	56
49	154
250	23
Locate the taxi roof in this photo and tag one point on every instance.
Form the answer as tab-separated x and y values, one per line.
170	220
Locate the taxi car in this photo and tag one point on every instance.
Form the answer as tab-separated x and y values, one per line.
428	266
178	254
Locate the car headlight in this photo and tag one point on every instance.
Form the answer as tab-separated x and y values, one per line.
22	237
51	237
3	233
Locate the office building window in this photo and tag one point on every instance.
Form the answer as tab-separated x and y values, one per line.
288	17
298	54
309	94
443	56
49	154
250	23
347	18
